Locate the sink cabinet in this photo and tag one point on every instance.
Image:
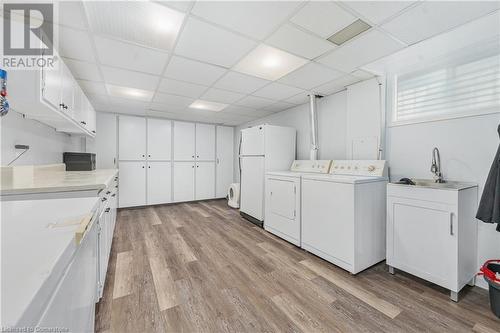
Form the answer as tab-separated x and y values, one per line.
432	233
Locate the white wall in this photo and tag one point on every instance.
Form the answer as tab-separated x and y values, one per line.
331	128
46	145
467	147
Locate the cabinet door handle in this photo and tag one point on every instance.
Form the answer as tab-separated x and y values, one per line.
107	210
83	123
93	132
149	167
192	156
149	155
143	166
217	160
451	224
113	195
108	192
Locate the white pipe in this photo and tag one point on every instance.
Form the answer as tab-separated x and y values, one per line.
313	119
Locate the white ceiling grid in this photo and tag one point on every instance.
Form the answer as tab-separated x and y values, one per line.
129	59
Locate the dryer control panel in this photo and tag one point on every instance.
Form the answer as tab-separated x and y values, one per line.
376	168
318	166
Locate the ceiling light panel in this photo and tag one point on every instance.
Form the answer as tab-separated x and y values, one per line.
269	63
431	18
360	51
206	42
252	18
277	91
296	41
255	102
323	18
378	11
242	83
121	77
207	105
349	32
130	93
181	88
145	23
193	71
311	75
129	56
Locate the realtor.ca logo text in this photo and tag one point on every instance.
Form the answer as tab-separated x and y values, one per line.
28	36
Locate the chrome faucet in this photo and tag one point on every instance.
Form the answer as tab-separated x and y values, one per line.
436	166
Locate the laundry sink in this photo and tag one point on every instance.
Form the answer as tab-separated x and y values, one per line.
430	183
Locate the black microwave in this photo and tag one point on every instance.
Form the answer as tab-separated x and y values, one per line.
79	161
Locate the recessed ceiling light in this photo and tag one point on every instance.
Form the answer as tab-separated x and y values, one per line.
349	32
269	63
207	105
131	93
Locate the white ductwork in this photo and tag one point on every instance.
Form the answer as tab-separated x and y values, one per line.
313	119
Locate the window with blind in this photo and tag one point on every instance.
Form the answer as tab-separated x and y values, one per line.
461	88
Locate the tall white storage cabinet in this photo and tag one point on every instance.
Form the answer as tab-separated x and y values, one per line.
159	139
194	166
132	138
104	143
224	160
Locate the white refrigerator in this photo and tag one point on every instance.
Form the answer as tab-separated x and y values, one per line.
262	148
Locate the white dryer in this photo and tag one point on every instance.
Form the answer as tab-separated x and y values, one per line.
343	214
283	198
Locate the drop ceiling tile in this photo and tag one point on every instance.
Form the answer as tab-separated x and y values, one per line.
167	108
269	63
142	22
253	18
336	85
363	75
296	41
310	75
255	102
208	43
241	83
193	71
433	17
222	96
361	50
181	88
83	70
323	18
75	44
92	87
279	106
72	14
121	77
244	111
277	91
173	100
129	56
183	6
299	99
378	11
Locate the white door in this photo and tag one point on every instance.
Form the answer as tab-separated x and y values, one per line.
205	180
132	138
413	223
252	141
183	181
51	91
252	186
283	207
104	143
224	160
159	183
159	139
91	117
68	88
132	184
205	142
184	141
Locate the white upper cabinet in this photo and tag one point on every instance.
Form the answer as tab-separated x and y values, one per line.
159	139
224	160
159	183
51	86
68	90
184	181
132	138
184	141
205	142
205	180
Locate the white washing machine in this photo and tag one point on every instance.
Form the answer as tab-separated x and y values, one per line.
283	198
343	214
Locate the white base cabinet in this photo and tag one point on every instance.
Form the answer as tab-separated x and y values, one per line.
205	180
159	183
184	181
132	184
432	233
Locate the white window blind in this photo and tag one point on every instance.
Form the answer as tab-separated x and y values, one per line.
459	89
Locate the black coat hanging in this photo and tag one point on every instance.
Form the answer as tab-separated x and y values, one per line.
489	206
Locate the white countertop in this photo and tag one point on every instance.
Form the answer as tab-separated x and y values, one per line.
52	178
34	254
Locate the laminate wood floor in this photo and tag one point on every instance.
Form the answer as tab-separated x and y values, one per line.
200	267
